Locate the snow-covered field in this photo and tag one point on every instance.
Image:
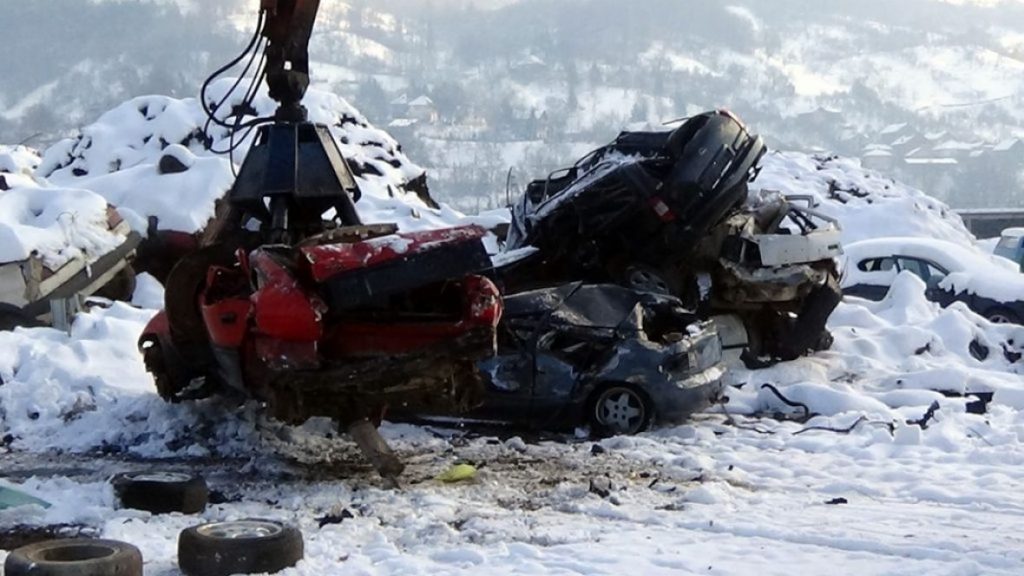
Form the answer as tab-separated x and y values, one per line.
860	481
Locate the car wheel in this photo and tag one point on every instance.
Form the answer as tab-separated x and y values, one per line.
1000	315
643	278
75	558
620	410
162	492
239	547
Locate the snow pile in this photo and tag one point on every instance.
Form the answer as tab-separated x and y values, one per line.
18	159
867	204
119	157
17	166
58	224
55	223
891	359
90	391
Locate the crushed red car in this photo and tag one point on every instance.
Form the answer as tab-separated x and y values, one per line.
314	330
342	325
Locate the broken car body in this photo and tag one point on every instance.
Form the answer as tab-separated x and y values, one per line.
32	293
318	317
320	329
598	355
669	212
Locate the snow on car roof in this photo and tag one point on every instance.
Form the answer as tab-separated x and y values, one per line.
57	224
982	273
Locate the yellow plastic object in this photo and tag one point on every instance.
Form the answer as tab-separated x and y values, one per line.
458	473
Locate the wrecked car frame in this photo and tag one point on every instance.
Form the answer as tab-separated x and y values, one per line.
595	355
669	212
33	294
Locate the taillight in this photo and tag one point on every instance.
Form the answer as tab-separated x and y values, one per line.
485	304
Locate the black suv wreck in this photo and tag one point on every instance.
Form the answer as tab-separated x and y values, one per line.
598	355
669	212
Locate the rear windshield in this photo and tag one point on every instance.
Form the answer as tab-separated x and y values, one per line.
1008	243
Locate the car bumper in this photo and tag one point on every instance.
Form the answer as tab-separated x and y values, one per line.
676	400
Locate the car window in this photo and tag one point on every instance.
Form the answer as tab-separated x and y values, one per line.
1008	247
1008	243
935	276
876	264
932	274
914	265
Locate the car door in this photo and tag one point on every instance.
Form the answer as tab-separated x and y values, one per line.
932	274
562	355
874	277
508	377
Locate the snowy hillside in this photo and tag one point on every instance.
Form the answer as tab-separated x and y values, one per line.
536	73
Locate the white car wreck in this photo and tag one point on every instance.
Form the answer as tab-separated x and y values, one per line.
57	246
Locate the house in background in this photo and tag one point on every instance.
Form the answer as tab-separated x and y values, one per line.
423	110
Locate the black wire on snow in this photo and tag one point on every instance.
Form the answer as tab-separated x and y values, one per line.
807	411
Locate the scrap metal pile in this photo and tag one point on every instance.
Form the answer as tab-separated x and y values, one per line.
668	212
622	280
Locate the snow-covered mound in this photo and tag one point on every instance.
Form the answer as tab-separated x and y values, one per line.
18	159
119	157
866	203
57	224
89	390
893	358
17	166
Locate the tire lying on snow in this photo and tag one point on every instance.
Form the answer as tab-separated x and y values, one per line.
239	547
162	492
12	317
75	558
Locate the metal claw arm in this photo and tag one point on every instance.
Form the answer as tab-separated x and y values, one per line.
289	25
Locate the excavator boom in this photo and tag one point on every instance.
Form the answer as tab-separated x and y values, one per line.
289	25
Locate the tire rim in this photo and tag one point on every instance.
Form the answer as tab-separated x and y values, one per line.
241	529
620	409
162	477
647	281
999	318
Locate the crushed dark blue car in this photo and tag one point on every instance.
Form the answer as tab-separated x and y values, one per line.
601	356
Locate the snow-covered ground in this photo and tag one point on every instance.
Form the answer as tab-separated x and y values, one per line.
859	481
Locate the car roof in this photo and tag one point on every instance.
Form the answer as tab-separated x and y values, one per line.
954	257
